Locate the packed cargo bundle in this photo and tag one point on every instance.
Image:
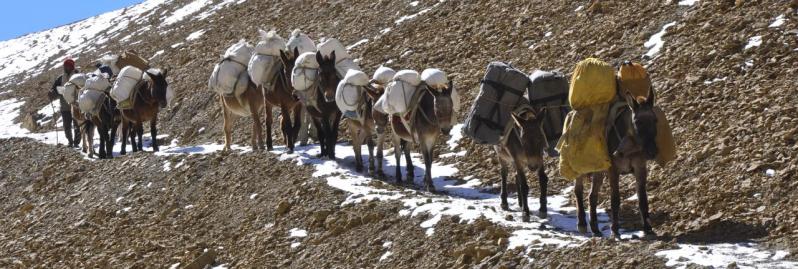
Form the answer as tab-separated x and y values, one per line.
343	62
265	62
400	91
305	72
633	79
301	42
549	91
501	91
125	84
349	94
229	77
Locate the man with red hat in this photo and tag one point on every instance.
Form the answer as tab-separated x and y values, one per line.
70	125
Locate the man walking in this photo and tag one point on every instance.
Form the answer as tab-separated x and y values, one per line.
70	125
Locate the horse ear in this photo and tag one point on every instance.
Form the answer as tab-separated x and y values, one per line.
165	71
631	102
319	58
651	96
332	57
296	52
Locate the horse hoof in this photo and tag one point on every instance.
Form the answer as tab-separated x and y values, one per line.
616	235
505	206
359	169
597	234
581	228
525	217
542	214
430	188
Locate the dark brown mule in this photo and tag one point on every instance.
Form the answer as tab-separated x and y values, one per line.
149	98
106	121
250	103
523	148
433	117
361	129
282	95
325	114
631	141
380	121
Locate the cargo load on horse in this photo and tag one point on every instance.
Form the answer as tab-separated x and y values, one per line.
301	42
436	79
501	91
125	85
127	58
72	88
305	73
633	79
349	96
265	62
94	95
548	92
382	76
400	91
583	145
343	62
229	77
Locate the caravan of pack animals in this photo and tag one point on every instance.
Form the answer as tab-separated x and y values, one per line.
601	122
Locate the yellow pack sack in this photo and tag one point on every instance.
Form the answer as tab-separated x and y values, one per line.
592	83
634	79
666	145
583	145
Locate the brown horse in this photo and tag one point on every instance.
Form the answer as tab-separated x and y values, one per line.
433	117
149	98
523	148
631	138
325	114
282	95
106	122
380	121
250	103
361	129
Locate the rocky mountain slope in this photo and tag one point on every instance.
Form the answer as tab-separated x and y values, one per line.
724	73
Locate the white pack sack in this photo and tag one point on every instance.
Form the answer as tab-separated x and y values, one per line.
110	60
436	79
305	71
332	44
99	83
400	91
270	43
227	78
301	42
343	67
90	101
349	93
78	79
264	63
383	75
240	52
379	106
126	83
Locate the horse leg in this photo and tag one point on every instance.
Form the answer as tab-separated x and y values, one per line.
427	148
579	194
503	189
91	139
154	133
357	148
397	153
522	187
641	176
140	134
125	133
257	131
333	138
595	188
103	138
228	129
297	120
380	156
321	135
615	201
109	144
370	143
114	127
411	170
285	127
543	181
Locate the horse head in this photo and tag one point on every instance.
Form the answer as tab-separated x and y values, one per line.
528	123
159	87
328	76
644	122
444	107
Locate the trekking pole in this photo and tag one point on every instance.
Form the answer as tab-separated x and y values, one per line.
55	123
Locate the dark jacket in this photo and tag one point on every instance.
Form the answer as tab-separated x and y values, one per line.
54	91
